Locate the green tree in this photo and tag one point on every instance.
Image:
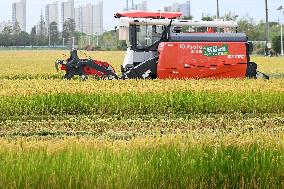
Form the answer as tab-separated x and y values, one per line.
78	36
7	36
108	41
6	40
2	39
54	33
187	17
41	36
274	30
24	39
16	28
208	18
247	25
230	16
68	30
33	37
7	30
276	44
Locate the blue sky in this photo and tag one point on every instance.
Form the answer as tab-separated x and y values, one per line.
254	8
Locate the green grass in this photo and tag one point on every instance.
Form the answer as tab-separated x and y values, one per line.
125	104
177	163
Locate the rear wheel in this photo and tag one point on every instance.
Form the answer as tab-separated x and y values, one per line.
68	76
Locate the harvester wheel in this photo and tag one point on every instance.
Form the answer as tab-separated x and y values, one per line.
68	76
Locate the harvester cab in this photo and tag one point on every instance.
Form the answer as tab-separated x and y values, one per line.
162	46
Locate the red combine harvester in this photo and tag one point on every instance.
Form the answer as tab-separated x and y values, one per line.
157	48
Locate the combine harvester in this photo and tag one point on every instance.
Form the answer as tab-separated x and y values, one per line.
157	48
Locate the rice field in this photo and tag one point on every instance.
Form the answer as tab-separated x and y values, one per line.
137	134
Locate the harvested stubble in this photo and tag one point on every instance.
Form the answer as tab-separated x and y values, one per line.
117	128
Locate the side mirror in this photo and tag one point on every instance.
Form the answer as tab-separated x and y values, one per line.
115	29
250	47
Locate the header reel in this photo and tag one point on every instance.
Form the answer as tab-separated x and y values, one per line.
85	67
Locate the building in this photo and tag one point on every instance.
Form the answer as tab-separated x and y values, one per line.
5	24
67	11
51	13
89	18
19	14
127	5
140	6
185	8
98	17
79	19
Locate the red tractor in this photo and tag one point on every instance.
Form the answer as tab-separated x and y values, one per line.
158	47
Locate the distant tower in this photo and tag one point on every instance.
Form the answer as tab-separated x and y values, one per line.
127	5
67	11
19	14
132	5
92	21
51	13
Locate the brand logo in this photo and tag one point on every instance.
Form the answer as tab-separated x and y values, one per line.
216	50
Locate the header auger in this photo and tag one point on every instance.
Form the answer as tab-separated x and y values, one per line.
158	47
85	67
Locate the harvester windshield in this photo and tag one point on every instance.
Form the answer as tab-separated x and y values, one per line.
147	35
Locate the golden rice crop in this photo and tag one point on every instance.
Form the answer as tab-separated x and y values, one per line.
55	86
181	140
136	134
274	65
42	62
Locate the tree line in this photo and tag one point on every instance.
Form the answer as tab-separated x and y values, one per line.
44	36
255	31
40	35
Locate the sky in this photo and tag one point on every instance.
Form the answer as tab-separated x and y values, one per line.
252	8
